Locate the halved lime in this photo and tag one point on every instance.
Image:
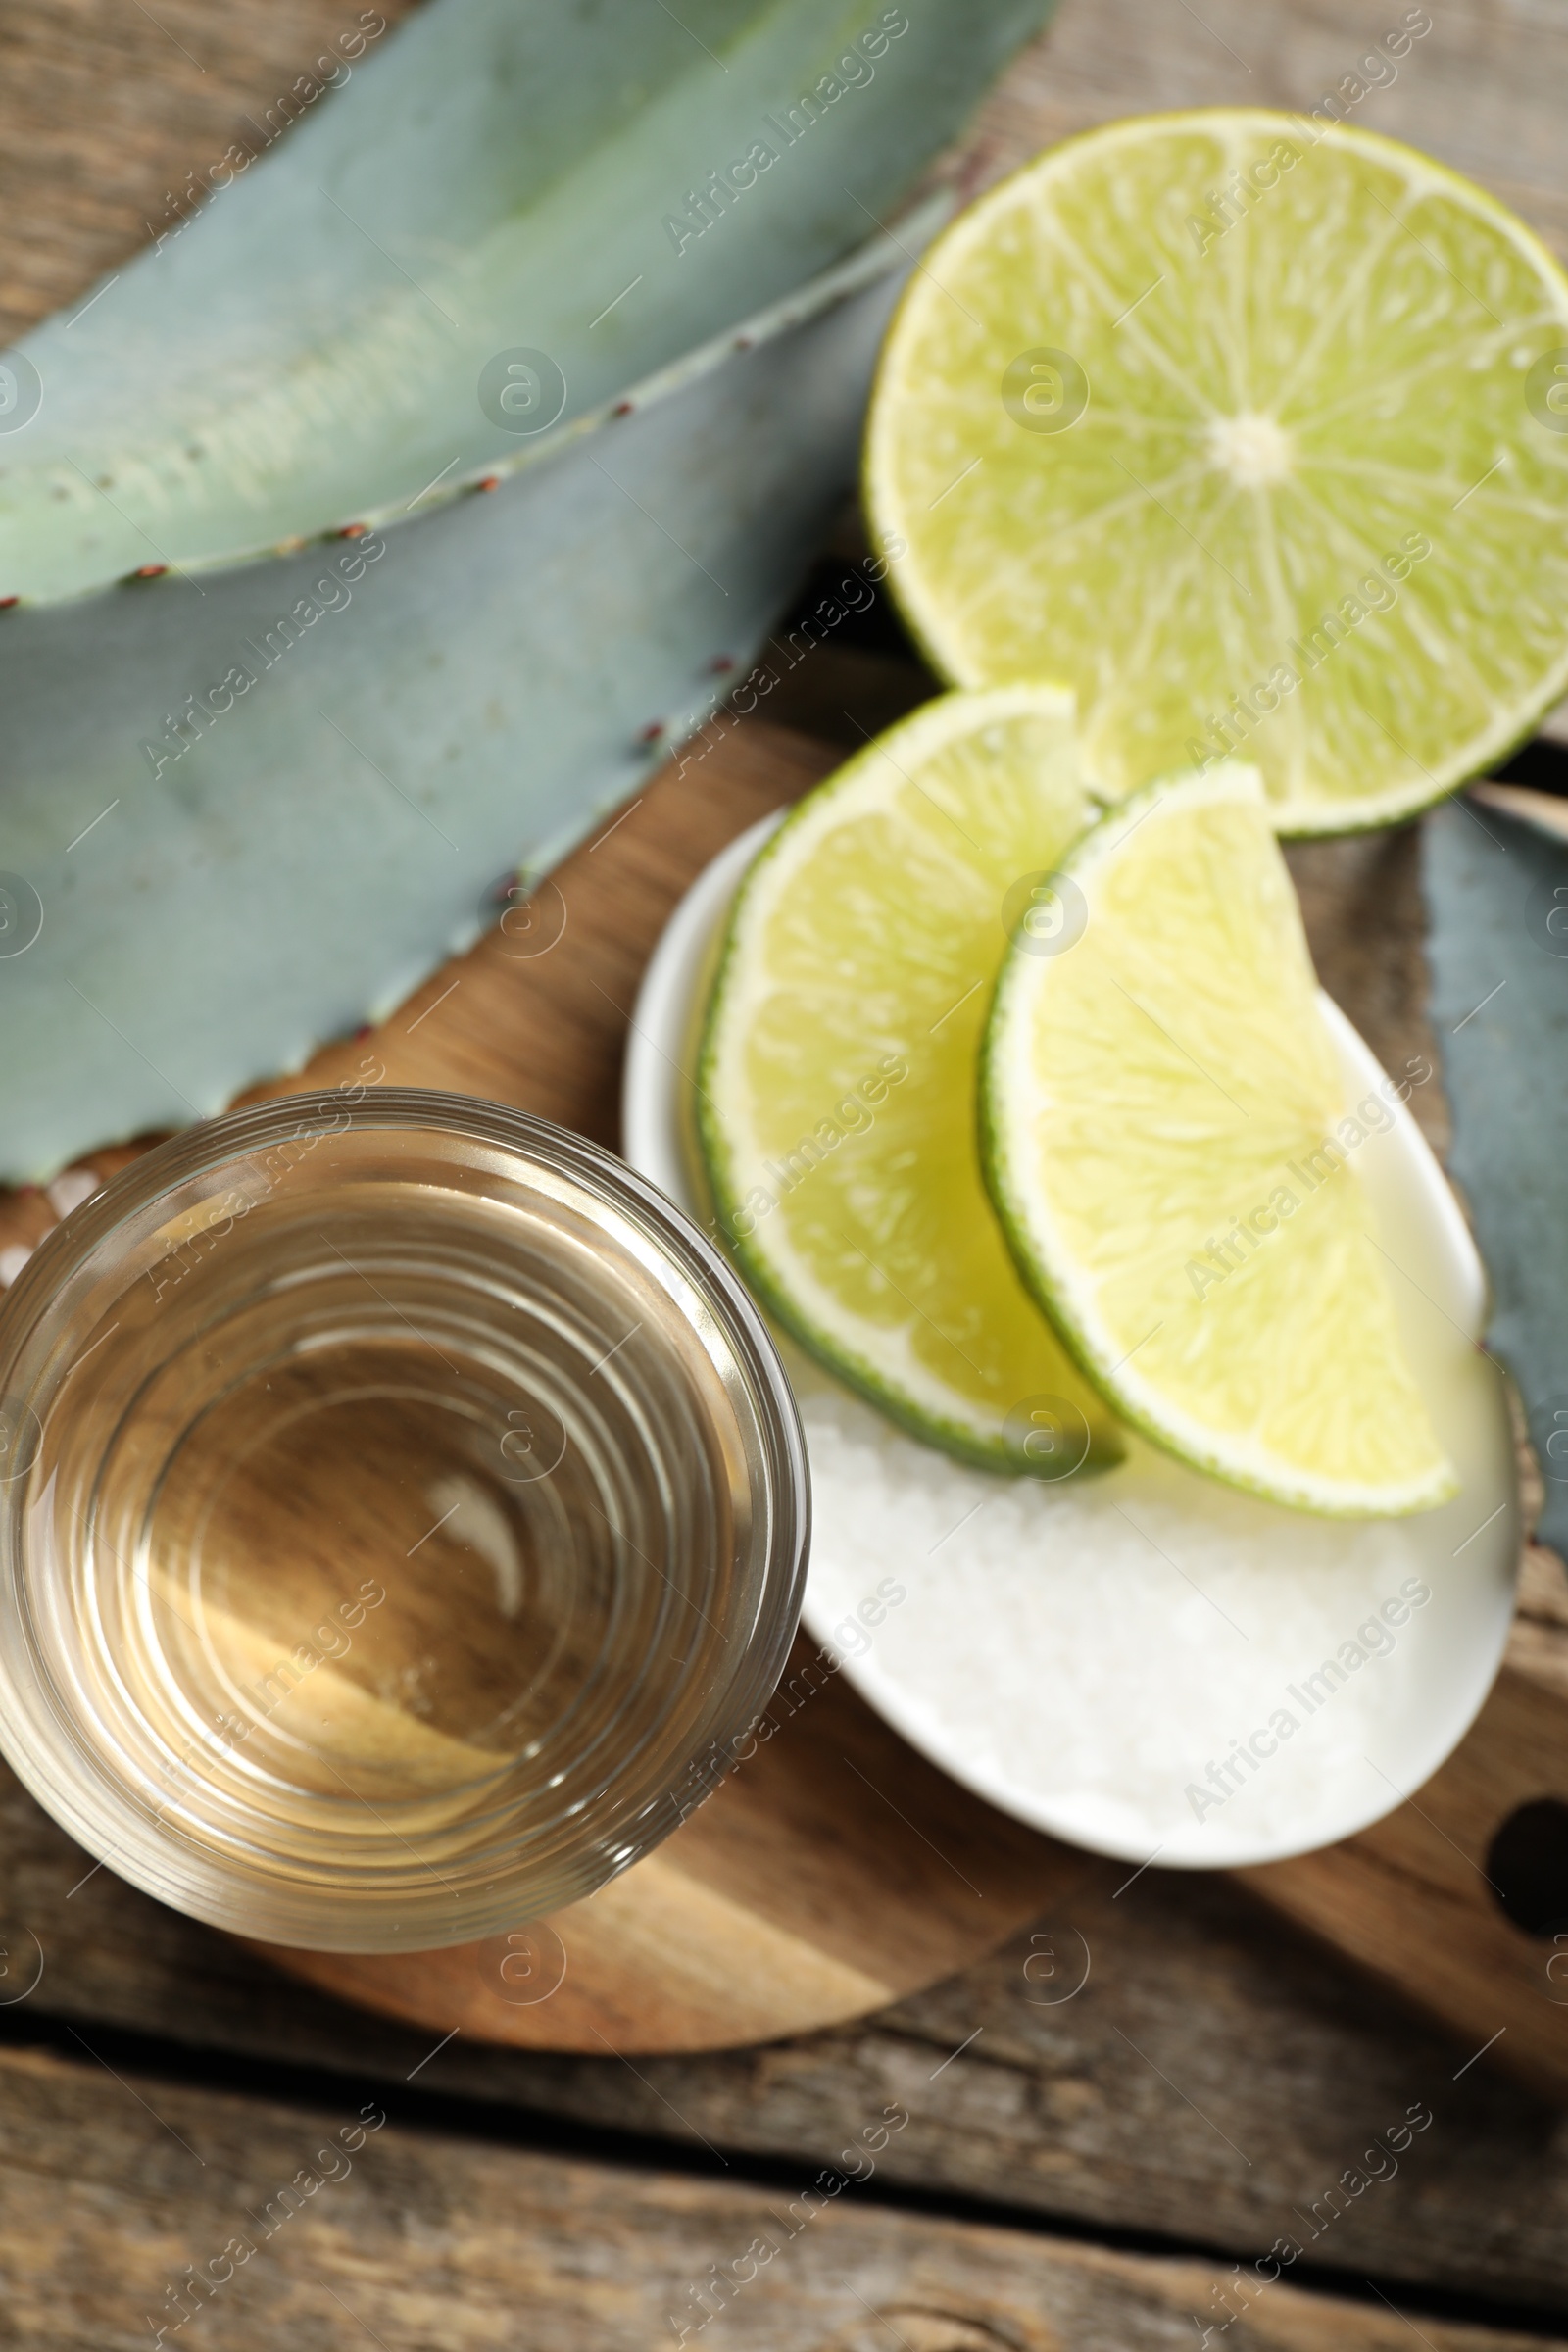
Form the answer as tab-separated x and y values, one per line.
1251	430
837	1074
1168	1147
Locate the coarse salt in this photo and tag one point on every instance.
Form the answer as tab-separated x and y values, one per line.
1085	1651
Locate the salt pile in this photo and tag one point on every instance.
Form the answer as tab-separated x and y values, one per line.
1144	1660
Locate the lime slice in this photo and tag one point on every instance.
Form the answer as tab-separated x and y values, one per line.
1168	1147
1254	431
837	1075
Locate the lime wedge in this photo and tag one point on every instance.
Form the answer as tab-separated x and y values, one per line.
1254	431
1169	1149
837	1075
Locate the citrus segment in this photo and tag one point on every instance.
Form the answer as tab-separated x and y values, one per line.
837	1076
1172	1155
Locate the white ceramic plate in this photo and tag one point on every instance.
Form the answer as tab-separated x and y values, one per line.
1112	1658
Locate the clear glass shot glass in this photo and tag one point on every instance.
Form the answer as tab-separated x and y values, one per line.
402	1515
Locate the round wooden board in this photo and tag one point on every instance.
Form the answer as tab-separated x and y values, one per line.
834	1872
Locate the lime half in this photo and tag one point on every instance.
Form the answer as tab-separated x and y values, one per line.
837	1077
1169	1150
1254	431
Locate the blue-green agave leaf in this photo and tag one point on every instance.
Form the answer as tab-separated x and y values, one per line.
1498	903
386	723
253	795
501	173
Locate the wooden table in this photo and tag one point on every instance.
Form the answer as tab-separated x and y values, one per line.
1079	2174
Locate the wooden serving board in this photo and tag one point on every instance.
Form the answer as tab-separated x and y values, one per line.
838	1871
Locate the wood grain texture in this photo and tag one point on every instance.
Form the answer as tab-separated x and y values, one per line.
1537	1645
1208	2083
1361	904
112	118
1484	89
106	111
1411	1899
117	2199
833	1872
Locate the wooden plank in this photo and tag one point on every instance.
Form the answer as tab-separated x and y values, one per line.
1538	1646
1411	1899
112	119
106	111
1210	2077
1484	89
1361	904
134	2204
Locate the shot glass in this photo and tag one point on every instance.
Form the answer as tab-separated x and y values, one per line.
403	1517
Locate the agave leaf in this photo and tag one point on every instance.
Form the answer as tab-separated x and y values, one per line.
425	704
250	801
306	350
1497	900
